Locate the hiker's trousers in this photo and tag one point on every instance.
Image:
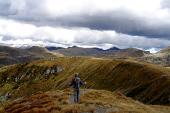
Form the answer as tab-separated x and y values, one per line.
76	95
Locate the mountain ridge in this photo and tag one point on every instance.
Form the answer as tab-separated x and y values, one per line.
97	52
11	55
92	101
144	82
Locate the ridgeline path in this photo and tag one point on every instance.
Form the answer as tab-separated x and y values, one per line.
98	109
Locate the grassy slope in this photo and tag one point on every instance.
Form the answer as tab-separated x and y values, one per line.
93	101
143	82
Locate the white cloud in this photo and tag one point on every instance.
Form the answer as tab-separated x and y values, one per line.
90	23
153	50
15	33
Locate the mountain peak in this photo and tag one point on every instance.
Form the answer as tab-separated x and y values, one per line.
53	48
113	48
74	47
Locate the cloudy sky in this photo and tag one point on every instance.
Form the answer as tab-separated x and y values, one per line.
141	24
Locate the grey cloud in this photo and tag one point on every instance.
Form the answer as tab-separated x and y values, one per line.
6	38
27	10
165	4
122	41
5	7
86	37
120	20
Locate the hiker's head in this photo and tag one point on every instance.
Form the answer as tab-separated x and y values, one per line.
76	75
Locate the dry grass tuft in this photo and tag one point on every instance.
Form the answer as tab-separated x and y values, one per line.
93	101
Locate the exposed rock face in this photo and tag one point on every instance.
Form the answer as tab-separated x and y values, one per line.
20	78
53	70
162	57
22	72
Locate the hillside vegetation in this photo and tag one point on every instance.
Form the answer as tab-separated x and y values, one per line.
144	82
92	101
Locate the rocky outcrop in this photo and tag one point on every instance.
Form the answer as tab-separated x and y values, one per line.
23	72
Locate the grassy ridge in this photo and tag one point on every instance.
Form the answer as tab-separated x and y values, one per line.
144	82
92	101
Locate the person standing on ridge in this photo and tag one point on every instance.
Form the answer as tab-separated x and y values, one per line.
76	83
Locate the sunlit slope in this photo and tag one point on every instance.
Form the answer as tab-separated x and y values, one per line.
144	82
92	101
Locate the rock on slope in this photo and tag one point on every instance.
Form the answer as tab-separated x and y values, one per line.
162	57
93	101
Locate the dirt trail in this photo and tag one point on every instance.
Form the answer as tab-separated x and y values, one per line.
91	101
82	92
98	109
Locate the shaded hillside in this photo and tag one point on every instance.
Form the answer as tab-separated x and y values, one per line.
78	51
130	52
10	55
162	57
147	83
52	48
92	101
112	52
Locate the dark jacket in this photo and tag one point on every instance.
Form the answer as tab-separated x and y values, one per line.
76	83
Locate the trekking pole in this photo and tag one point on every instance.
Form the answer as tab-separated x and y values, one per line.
85	87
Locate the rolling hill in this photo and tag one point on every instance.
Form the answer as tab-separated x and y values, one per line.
130	52
92	101
147	83
10	55
78	51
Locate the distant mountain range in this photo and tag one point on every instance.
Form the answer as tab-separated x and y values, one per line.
11	55
162	57
52	48
97	52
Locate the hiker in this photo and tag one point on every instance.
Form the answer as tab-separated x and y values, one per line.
76	83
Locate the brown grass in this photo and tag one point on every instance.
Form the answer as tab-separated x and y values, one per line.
91	102
144	82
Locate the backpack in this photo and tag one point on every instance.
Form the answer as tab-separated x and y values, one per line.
77	83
